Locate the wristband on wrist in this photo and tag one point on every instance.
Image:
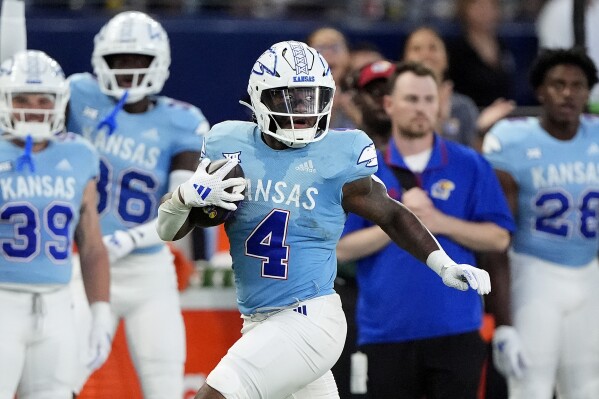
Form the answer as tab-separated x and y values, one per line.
133	238
174	205
437	260
100	309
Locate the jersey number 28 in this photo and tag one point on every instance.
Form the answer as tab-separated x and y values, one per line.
557	205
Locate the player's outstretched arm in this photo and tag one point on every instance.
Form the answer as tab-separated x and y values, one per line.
368	198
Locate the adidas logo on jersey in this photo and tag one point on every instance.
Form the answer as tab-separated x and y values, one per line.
307	166
64	165
6	166
533	153
91	113
593	149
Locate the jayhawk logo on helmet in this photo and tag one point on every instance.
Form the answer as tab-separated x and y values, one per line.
276	78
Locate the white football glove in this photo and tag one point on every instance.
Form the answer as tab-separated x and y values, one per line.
204	189
100	339
118	244
462	276
508	357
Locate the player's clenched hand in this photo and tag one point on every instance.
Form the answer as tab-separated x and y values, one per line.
508	356
118	245
100	339
462	276
204	188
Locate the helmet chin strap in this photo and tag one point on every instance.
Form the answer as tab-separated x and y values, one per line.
110	121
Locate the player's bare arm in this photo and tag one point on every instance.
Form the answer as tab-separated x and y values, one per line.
368	198
94	258
187	160
510	189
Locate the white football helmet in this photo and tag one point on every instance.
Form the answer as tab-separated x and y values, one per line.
32	72
292	89
132	32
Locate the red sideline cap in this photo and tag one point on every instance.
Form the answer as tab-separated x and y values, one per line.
376	70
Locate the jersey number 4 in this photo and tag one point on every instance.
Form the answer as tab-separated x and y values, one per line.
555	207
27	240
267	242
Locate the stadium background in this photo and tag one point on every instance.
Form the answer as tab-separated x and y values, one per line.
212	54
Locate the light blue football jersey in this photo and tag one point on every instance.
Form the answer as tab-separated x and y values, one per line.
135	159
284	234
558	188
39	210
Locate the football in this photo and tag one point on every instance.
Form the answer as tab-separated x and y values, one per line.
212	215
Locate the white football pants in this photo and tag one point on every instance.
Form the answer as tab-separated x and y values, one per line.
37	350
286	355
143	292
556	313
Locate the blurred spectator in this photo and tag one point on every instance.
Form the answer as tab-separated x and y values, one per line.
420	338
457	112
555	30
332	44
459	119
370	88
415	11
362	54
480	64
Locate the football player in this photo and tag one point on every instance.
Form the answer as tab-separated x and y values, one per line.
48	204
148	145
302	179
548	169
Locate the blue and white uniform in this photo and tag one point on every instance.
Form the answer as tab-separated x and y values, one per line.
554	269
136	157
39	212
283	238
135	163
399	300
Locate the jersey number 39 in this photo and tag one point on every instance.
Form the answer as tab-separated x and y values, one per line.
27	241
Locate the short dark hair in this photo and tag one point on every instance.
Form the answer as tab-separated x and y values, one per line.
416	68
549	58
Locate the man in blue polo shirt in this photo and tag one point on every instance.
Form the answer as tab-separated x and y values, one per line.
420	338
